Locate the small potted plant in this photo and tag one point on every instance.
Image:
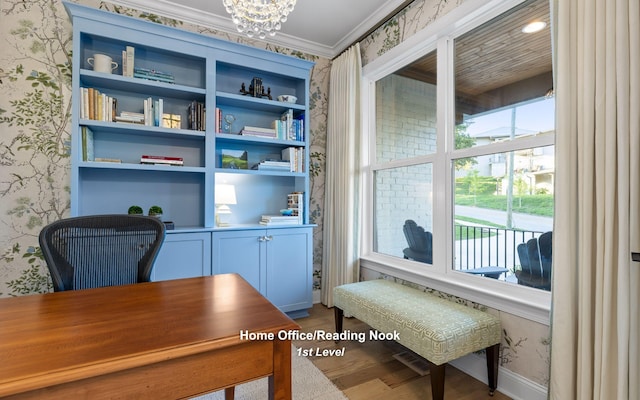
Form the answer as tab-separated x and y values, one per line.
155	211
135	210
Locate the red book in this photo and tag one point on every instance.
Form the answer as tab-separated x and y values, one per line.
161	158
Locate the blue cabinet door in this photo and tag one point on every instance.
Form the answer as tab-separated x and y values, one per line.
289	268
183	255
241	252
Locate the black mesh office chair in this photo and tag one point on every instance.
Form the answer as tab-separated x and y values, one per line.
101	250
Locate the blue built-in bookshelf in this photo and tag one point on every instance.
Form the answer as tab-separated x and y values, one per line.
184	99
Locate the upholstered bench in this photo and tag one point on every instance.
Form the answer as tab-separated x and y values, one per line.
435	328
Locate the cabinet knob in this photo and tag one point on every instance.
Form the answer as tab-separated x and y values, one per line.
268	238
262	238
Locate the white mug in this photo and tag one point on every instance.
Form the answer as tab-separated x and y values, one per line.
102	63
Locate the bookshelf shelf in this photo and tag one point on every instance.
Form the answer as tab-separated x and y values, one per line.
149	87
140	167
142	130
196	82
235	138
255	103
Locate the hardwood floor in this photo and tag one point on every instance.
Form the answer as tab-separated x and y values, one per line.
369	371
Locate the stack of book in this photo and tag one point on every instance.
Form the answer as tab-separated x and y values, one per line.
259	132
279	220
130	117
161	160
153	75
273	165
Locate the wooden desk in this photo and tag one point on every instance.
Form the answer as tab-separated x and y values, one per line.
159	340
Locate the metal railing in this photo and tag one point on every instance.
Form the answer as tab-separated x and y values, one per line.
480	246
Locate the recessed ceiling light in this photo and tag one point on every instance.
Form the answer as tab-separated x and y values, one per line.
534	26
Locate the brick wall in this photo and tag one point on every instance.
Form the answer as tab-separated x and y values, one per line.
406	128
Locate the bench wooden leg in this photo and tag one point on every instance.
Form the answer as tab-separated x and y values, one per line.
493	356
437	381
229	393
338	314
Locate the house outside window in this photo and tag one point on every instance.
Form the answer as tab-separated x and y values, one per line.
462	147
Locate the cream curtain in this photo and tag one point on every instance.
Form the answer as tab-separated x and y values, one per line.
342	190
595	325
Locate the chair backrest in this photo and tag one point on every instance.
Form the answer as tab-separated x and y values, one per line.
523	254
545	245
534	256
420	242
101	250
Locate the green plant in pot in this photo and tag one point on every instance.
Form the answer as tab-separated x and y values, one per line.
135	210
155	211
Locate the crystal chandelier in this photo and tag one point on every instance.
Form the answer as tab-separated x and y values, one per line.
259	17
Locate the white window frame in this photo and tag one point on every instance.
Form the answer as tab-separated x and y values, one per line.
532	304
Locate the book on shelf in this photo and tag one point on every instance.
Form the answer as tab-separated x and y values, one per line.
258	129
218	120
295	157
130	117
153	74
97	106
128	56
288	127
161	160
279	220
259	132
158	112
197	116
109	160
273	165
87	144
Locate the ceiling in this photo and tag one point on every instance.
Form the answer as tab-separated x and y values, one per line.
497	64
323	28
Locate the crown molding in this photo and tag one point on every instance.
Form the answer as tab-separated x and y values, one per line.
209	20
381	14
201	18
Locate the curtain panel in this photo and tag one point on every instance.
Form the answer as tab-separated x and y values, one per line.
595	325
341	229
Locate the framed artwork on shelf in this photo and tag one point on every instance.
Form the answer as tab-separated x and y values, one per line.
234	159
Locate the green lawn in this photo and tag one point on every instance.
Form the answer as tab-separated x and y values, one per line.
461	233
541	204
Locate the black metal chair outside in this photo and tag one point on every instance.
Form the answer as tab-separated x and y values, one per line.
420	242
101	250
535	262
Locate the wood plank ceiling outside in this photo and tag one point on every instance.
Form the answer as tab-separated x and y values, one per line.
496	54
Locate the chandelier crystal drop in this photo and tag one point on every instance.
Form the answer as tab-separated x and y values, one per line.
259	17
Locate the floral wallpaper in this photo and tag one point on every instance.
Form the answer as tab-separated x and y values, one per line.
34	143
35	112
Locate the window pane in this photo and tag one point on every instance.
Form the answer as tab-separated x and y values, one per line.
406	111
499	67
505	200
401	194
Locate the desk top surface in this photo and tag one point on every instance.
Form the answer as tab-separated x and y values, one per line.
88	332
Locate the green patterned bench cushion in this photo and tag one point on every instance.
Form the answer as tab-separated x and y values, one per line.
437	329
